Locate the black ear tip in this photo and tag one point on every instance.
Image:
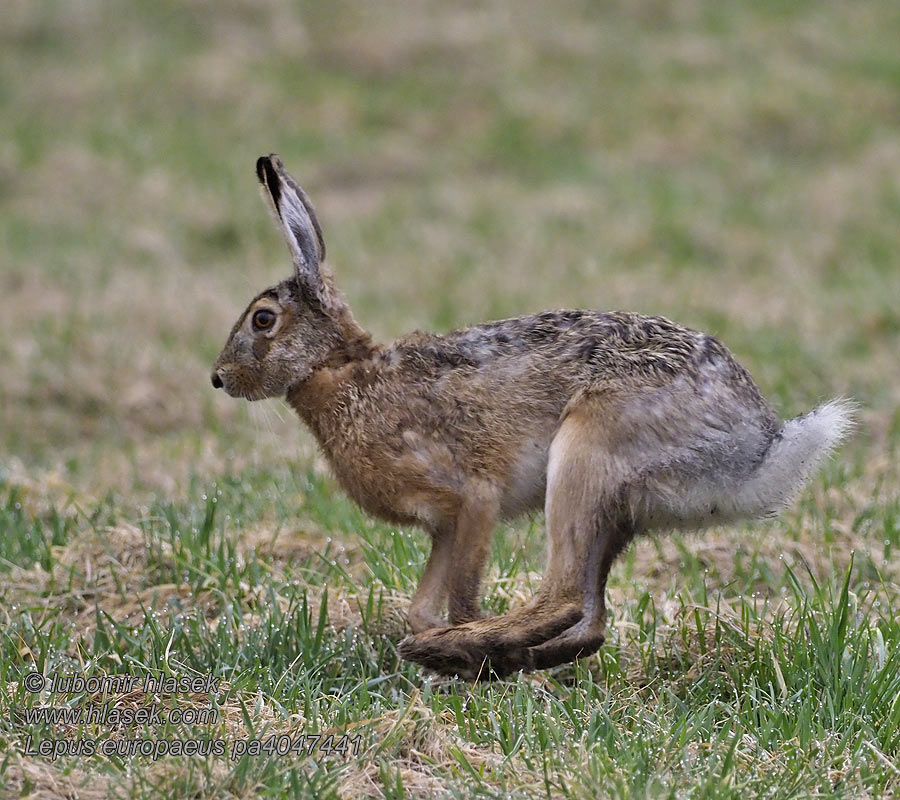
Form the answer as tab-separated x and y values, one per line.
261	167
268	175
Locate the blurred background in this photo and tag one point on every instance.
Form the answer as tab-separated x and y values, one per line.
735	167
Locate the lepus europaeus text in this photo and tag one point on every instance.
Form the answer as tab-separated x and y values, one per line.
614	423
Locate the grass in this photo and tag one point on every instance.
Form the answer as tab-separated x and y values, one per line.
732	166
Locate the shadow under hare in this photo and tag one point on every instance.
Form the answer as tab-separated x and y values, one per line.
614	423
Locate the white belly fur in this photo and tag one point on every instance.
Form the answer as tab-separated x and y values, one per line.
527	482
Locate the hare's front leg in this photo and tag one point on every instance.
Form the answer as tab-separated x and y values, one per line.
459	549
474	528
427	606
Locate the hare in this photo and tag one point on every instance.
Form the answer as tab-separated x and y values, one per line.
614	423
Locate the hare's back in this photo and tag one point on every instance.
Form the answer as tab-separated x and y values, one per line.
577	344
504	385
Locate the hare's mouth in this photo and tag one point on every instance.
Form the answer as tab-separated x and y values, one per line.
221	379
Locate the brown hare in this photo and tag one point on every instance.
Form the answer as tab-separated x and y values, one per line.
614	423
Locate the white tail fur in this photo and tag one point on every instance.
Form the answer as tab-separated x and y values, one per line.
801	445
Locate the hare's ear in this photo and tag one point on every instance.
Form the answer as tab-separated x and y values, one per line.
297	219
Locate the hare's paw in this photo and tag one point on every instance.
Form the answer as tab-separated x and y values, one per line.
565	648
492	647
421	621
447	651
457	651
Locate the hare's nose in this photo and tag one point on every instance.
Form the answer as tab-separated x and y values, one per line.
216	381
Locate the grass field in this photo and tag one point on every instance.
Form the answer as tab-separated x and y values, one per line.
734	166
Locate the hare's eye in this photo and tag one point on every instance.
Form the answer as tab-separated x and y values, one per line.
263	319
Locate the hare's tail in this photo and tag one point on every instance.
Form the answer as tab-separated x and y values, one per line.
794	455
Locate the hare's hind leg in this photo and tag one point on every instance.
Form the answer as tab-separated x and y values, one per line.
586	529
587	502
613	532
666	458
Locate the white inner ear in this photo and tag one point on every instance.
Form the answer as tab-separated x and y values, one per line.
295	224
297	227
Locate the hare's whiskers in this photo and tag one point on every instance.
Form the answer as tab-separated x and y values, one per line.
275	410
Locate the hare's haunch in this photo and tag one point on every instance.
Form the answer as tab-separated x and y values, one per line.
614	423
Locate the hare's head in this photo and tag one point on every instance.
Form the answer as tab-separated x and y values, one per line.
291	329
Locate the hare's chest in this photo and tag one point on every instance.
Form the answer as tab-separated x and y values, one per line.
412	477
373	483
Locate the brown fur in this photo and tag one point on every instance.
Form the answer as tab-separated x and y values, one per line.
614	422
